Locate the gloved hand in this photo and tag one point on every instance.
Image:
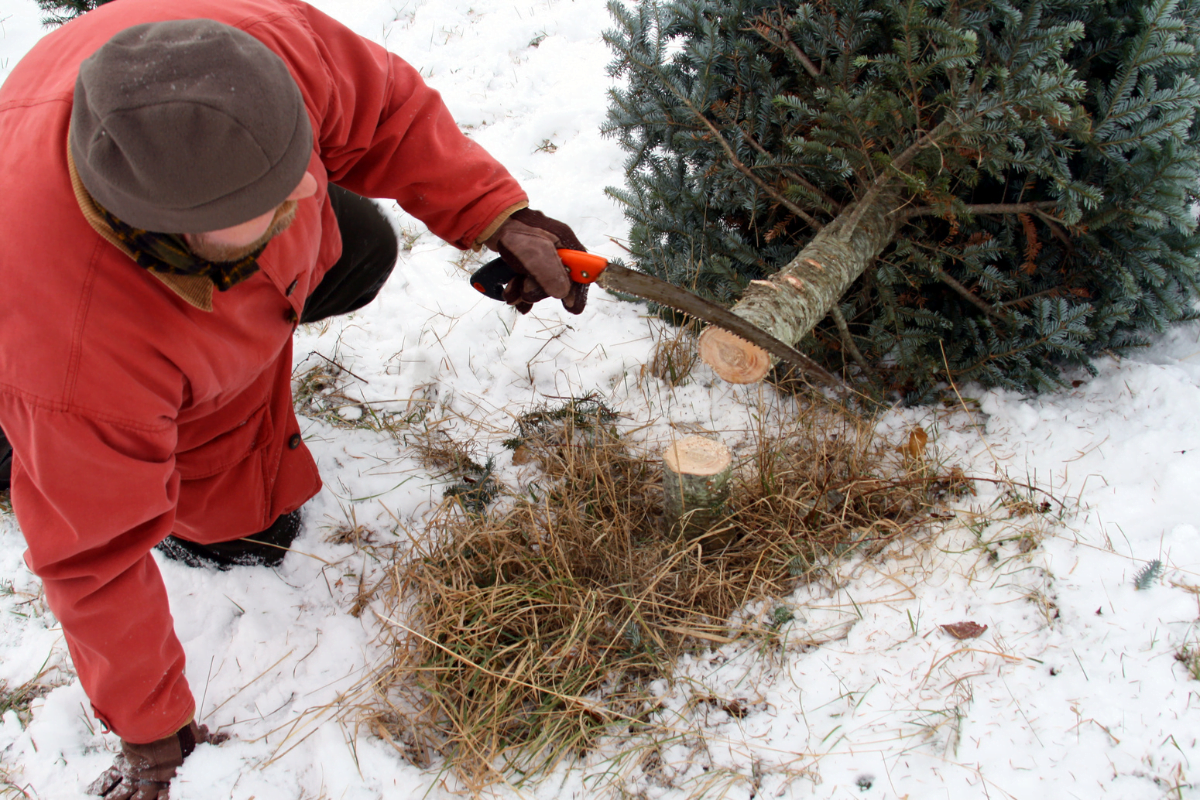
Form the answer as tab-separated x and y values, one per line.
527	241
144	771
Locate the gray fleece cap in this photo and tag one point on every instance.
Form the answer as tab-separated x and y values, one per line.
188	126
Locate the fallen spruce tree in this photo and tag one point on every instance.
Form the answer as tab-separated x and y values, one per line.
911	191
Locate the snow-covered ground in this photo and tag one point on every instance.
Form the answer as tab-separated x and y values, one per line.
1074	690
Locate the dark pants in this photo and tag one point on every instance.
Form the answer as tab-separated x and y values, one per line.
5	462
369	252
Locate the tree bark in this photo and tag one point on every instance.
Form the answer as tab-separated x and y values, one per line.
792	301
696	474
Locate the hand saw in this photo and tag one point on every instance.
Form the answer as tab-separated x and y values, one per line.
491	278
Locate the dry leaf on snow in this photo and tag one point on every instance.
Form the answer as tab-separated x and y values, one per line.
964	630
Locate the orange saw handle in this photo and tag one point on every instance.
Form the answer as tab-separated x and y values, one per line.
492	277
584	267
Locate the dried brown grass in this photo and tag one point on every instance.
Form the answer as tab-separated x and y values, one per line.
519	638
9	788
675	354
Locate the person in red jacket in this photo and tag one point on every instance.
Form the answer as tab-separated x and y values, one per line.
185	183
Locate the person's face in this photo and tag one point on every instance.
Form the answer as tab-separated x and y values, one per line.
231	244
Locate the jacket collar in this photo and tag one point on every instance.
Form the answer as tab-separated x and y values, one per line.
195	290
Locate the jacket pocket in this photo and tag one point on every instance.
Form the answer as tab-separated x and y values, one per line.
227	449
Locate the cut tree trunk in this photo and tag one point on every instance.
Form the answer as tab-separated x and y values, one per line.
792	301
696	474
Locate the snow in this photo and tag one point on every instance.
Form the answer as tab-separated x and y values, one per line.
1074	690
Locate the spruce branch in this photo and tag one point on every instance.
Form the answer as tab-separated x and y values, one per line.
1147	575
851	224
971	297
1055	292
899	163
742	168
729	151
848	342
1020	347
962	291
979	208
763	24
834	205
59	12
1053	224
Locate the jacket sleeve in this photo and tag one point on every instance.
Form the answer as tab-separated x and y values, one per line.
89	541
382	132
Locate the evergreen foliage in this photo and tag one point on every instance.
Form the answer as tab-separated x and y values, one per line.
1147	575
59	11
1042	157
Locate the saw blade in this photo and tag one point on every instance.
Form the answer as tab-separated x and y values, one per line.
648	287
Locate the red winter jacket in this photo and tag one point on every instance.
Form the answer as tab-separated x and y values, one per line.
139	408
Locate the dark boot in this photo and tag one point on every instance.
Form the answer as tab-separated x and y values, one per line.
264	549
5	463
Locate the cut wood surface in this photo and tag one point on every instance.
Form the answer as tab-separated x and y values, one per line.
732	357
696	474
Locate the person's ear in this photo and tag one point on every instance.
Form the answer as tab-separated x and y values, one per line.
306	188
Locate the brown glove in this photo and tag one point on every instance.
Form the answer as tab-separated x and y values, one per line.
144	771
527	241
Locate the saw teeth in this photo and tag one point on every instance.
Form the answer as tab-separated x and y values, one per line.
778	349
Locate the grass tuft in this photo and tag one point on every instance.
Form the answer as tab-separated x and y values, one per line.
320	393
474	485
1188	655
20	699
553	427
9	788
675	354
522	637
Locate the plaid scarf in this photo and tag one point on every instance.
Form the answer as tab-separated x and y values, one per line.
169	254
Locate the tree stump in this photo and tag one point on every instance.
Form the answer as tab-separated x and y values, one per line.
696	474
